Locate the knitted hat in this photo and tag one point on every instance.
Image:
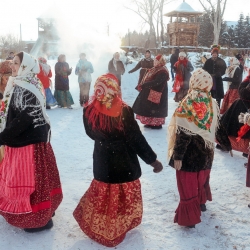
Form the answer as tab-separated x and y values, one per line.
182	54
161	59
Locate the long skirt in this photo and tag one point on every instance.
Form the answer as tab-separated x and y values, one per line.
228	100
84	92
241	146
106	212
194	190
152	121
64	98
30	188
50	99
180	95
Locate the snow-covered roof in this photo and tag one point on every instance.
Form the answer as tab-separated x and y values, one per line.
231	23
183	8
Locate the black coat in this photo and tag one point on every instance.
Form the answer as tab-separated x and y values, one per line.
62	71
142	106
173	59
216	68
20	129
236	80
117	72
230	118
143	65
191	150
115	152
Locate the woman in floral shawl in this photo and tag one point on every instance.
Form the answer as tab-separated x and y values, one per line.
192	132
151	105
30	188
113	203
234	78
62	94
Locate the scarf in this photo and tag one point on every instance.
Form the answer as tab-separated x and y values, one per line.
234	64
197	113
5	69
26	78
45	67
104	108
180	74
151	73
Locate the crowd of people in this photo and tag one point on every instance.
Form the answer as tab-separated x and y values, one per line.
30	187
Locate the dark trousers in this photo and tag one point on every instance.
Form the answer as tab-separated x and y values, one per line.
172	73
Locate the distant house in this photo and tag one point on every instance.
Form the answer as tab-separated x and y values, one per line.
231	24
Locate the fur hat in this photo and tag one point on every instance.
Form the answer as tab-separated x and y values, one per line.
215	49
182	54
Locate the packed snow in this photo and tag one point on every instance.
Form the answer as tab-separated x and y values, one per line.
224	225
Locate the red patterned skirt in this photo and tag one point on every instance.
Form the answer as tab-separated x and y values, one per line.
228	100
45	190
241	146
106	212
152	121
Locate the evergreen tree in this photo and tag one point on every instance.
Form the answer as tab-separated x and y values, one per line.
239	33
205	37
247	31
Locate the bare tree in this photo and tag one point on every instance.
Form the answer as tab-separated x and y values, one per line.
151	12
215	10
10	43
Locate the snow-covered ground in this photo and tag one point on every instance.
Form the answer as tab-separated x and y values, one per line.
225	224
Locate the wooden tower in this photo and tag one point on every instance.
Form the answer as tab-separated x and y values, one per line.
183	27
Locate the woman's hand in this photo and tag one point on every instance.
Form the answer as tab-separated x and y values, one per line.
157	166
177	164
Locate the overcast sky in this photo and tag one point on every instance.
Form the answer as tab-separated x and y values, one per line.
92	14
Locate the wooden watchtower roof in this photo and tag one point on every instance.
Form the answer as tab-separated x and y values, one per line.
184	27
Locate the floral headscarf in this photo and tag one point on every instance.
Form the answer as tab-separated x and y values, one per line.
197	113
26	78
234	64
105	104
5	69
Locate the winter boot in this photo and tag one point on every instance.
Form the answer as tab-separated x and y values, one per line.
203	207
49	225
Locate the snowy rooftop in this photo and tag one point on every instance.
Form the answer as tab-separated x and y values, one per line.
183	8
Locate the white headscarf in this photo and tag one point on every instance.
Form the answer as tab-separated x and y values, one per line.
26	78
234	64
197	113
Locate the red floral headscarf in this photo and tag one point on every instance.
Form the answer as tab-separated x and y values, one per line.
105	107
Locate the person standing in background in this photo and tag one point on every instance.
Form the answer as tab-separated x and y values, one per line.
44	75
145	64
216	67
151	105
84	69
62	94
116	67
173	59
183	69
234	78
10	56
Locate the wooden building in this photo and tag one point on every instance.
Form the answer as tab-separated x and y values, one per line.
183	27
